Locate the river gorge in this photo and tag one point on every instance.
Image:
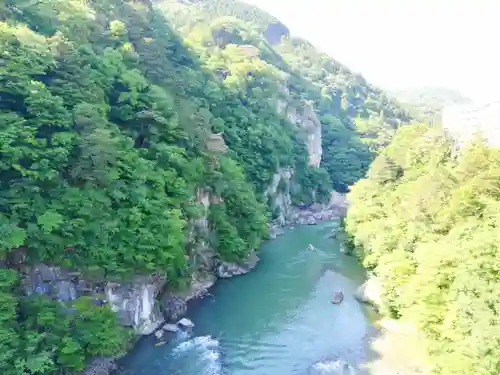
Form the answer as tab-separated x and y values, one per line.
279	319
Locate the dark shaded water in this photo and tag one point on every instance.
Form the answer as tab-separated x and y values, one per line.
277	320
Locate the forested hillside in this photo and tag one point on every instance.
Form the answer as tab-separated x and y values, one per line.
111	124
426	223
356	117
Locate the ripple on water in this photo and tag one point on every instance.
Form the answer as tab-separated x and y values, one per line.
278	320
200	354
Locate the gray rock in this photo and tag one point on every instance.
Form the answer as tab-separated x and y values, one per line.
135	304
170	328
65	290
159	334
228	269
48	273
173	307
99	366
53	282
370	292
186	323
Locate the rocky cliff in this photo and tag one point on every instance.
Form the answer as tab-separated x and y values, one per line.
302	114
136	158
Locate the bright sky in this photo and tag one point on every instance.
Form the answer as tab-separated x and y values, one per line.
404	43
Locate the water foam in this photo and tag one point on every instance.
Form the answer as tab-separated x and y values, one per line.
203	352
332	368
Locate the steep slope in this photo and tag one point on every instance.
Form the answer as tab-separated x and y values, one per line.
134	162
353	118
426	223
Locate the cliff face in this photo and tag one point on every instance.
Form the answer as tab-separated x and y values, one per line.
136	157
279	194
303	115
134	302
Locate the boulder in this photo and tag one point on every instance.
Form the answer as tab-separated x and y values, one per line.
370	292
173	307
186	323
229	269
173	328
337	297
159	334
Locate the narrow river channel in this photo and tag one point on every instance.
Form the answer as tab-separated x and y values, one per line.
277	320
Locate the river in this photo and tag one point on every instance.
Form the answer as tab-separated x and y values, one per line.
277	320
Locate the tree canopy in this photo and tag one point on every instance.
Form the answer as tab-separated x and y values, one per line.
426	223
113	114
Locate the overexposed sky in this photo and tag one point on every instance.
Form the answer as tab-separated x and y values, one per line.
404	43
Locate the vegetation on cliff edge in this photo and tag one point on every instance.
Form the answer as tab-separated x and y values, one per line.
107	121
426	220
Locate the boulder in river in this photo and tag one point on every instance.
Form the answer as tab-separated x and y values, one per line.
229	269
370	292
159	334
186	323
173	328
337	297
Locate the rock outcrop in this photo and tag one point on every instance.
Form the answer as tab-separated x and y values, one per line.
312	214
99	366
279	194
225	270
370	292
174	304
134	302
303	115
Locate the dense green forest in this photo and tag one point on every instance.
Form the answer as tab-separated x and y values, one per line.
107	122
357	118
426	219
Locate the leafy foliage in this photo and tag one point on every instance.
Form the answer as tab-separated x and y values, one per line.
107	120
427	220
357	119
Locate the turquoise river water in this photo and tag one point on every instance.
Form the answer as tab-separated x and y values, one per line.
277	320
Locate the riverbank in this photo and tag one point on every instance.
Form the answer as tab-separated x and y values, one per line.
275	319
279	320
174	305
